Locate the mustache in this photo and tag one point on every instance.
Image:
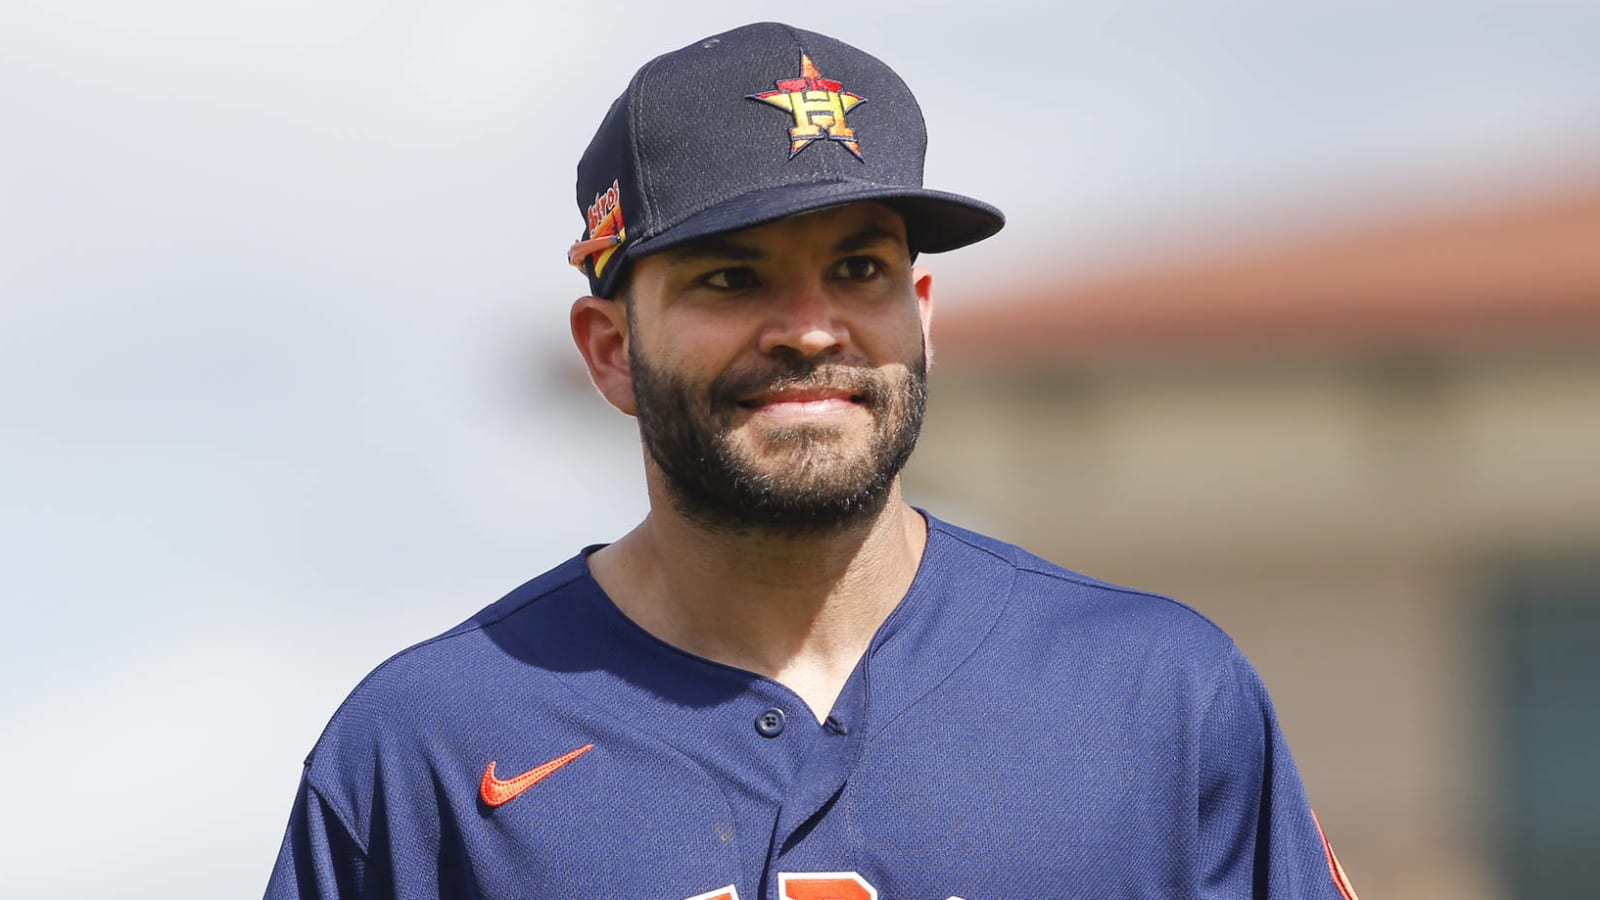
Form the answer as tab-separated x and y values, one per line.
795	373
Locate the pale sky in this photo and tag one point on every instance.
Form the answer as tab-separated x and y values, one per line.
283	299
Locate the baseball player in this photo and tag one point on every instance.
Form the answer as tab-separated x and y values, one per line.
786	683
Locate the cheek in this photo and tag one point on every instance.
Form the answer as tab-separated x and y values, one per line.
688	368
694	342
899	335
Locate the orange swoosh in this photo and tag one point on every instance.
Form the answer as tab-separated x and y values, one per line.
496	792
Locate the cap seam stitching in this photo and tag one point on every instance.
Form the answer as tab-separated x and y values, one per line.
640	164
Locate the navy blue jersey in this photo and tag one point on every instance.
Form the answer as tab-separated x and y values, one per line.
1015	730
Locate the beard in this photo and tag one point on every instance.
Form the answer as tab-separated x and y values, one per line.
814	478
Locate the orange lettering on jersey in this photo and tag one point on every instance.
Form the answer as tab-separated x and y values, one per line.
824	886
723	893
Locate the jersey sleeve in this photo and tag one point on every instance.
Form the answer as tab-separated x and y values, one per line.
1258	837
320	859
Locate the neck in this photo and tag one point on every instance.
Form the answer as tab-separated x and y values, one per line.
800	609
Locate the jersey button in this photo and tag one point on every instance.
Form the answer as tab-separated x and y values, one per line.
770	722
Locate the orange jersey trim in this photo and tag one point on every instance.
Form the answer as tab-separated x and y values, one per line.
1340	880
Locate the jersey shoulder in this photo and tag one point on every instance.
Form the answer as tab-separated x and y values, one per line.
1102	658
473	644
1053	598
460	679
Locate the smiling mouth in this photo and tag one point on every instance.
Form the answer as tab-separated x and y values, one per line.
803	400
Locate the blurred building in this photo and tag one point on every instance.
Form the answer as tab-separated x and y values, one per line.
1374	458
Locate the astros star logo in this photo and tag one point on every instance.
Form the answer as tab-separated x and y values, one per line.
818	105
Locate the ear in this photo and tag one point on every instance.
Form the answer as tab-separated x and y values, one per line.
922	285
600	329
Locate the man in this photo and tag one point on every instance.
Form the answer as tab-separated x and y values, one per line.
786	682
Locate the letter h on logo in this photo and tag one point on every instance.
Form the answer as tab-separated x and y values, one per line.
815	111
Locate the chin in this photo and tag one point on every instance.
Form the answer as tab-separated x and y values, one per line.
812	452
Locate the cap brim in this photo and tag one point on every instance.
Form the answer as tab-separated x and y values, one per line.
935	221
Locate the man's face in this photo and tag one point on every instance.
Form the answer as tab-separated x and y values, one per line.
779	372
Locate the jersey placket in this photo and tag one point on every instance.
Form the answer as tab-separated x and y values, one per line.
821	773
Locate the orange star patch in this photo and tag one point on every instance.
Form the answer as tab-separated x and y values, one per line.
818	105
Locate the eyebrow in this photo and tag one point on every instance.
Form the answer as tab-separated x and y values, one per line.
867	237
715	248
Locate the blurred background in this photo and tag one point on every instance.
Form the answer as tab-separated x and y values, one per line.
1297	318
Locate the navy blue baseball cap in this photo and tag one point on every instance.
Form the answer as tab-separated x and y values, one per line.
753	125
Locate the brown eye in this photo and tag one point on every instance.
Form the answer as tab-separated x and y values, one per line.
737	279
858	268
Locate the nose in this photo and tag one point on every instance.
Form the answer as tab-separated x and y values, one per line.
804	320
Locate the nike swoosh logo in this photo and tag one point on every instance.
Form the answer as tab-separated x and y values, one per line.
498	793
